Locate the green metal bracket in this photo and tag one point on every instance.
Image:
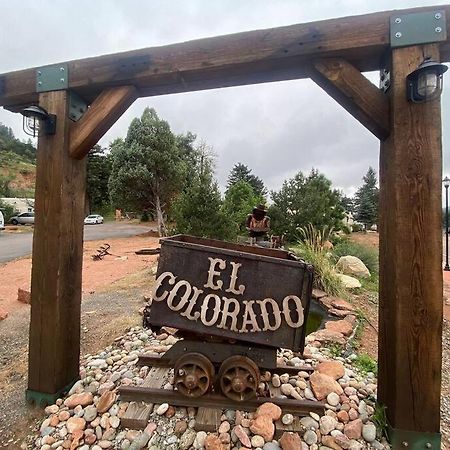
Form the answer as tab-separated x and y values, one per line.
413	440
77	106
43	399
418	28
52	78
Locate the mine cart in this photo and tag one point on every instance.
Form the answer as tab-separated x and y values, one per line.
234	305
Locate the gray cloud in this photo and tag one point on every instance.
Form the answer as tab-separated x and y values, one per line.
274	128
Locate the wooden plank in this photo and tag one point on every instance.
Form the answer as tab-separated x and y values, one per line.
410	226
136	416
242	58
156	378
296	407
354	92
208	419
54	347
99	118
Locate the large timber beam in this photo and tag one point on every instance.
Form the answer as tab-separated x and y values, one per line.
410	225
99	118
54	348
242	58
355	93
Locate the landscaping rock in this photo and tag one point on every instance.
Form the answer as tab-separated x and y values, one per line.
269	409
351	265
290	441
334	369
348	281
24	296
263	426
340	326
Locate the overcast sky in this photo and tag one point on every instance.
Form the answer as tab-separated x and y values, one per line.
276	129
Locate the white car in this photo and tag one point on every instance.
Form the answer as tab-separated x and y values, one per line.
2	221
93	219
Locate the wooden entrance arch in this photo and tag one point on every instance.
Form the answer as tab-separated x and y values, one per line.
333	53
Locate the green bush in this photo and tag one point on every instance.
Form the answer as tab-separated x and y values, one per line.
369	256
356	228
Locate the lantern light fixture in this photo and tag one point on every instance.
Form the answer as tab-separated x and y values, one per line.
425	83
37	121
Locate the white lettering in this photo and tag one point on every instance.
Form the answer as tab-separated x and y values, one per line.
184	298
212	273
204	310
188	313
227	313
249	318
265	314
233	279
158	284
287	312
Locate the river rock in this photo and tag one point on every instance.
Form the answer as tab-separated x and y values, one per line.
187	439
242	435
75	423
333	399
353	429
83	399
212	442
369	432
287	419
327	424
257	441
105	402
310	437
290	441
90	413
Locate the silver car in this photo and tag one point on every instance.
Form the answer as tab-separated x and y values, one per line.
23	219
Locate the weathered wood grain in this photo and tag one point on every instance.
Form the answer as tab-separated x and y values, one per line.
136	416
243	58
354	92
410	319
207	419
99	118
57	257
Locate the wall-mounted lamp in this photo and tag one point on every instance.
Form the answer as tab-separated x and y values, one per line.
425	83
37	121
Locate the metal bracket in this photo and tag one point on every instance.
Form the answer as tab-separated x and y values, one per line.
52	78
418	28
77	106
414	440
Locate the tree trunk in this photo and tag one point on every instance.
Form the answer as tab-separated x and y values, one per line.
160	217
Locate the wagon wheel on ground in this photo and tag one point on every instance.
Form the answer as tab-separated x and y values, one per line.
193	374
239	378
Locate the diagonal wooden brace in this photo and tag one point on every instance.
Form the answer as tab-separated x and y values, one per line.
99	118
354	92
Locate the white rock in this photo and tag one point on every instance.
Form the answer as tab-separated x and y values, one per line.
162	409
349	282
333	399
369	432
257	441
310	437
287	419
351	265
327	424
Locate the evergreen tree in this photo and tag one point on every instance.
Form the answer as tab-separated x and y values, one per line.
98	172
198	212
366	200
240	172
305	200
148	169
240	200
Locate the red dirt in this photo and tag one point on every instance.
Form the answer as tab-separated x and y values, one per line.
16	274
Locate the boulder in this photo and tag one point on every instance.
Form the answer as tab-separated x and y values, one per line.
340	326
334	369
349	282
351	265
340	303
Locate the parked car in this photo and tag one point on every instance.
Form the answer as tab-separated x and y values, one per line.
26	218
93	219
2	221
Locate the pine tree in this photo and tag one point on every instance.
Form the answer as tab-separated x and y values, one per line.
366	200
240	172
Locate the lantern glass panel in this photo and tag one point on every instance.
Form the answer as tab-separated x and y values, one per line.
427	84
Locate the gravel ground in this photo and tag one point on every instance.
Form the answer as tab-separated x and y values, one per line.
104	316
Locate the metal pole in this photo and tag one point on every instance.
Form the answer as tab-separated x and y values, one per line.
447	267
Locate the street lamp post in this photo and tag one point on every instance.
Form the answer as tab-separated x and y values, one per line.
446	182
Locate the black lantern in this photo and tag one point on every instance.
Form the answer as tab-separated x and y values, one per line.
425	83
37	121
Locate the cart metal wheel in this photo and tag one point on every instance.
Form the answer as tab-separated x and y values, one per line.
193	374
239	378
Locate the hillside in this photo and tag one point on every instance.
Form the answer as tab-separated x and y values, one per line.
17	165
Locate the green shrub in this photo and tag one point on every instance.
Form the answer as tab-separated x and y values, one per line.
144	216
369	256
324	275
356	228
365	364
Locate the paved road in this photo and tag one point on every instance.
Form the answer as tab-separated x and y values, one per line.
16	245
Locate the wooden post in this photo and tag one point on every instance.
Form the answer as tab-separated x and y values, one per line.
410	322
54	348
